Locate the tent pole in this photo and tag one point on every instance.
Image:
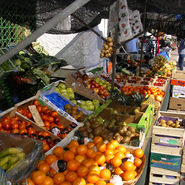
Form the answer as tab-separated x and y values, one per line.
114	60
52	22
142	39
148	29
89	27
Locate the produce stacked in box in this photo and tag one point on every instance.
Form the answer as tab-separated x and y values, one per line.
95	162
52	120
114	129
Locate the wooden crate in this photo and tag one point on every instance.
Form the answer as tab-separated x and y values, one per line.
163	176
183	162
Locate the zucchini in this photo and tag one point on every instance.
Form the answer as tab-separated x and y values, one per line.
125	71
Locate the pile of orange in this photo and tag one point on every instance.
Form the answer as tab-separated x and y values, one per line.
144	90
84	164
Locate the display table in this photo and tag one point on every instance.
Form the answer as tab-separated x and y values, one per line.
144	179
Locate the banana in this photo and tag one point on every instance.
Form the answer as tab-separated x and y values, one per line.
4	167
12	166
15	158
11	150
4	160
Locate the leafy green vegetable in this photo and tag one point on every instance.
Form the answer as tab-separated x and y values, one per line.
6	66
41	50
42	75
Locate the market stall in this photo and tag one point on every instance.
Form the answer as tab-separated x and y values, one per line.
95	128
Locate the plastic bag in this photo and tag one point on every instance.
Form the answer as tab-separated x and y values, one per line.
33	150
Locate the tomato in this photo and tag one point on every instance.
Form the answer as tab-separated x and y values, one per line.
60	126
0	125
15	125
50	119
15	131
36	103
28	123
39	108
20	110
44	108
15	117
54	113
56	120
46	123
29	127
29	115
7	126
5	120
22	125
31	131
39	133
18	122
47	112
22	131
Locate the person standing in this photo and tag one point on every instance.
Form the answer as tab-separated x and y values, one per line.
181	52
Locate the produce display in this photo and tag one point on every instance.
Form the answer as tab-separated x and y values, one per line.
95	163
114	129
10	157
170	123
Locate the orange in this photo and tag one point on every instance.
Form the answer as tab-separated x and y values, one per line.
101	147
105	174
72	165
71	176
97	139
65	172
137	162
118	171
100	159
51	158
61	156
110	146
88	162
81	149
68	155
73	143
58	178
91	153
109	157
92	177
110	184
100	182
79	181
65	183
27	181
58	150
127	165
108	151
44	167
95	169
116	161
52	172
73	149
40	162
122	148
82	170
38	177
48	181
90	145
128	175
79	158
121	155
138	153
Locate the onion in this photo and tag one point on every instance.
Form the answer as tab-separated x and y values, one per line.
110	48
109	55
106	46
106	51
109	39
101	55
110	44
103	51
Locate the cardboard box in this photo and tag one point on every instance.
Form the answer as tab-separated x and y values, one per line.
178	91
178	74
177	103
177	82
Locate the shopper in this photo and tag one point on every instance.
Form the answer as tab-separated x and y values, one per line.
181	52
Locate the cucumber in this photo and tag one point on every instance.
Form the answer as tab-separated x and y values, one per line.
125	71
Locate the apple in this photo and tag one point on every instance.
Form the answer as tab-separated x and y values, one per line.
97	80
103	91
83	106
102	81
107	94
93	86
81	102
57	89
62	91
93	82
69	90
96	102
97	85
102	96
96	90
56	120
90	107
104	86
66	96
74	101
88	102
7	126
85	76
152	96
100	87
71	96
159	98
62	86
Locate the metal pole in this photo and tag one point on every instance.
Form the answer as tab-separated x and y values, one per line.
142	39
52	22
89	28
148	29
114	60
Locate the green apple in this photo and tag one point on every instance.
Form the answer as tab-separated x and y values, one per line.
63	91
65	95
104	86
97	80
81	102
62	86
90	107
74	101
83	106
102	81
96	106
96	102
71	96
88	102
57	89
69	90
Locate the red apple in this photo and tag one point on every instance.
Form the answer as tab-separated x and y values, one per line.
56	120
93	86
100	87
93	82
102	96
96	90
107	94
7	126
97	85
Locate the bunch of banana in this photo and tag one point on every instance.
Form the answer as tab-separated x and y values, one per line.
10	157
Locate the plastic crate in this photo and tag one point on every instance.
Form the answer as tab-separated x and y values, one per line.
22	89
3	73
